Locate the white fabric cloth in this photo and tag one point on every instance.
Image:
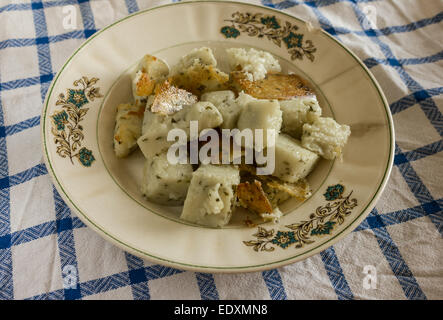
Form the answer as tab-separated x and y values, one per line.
43	246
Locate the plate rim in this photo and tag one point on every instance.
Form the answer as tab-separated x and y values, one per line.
219	269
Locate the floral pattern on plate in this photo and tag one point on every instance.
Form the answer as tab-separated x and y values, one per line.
272	28
321	222
66	127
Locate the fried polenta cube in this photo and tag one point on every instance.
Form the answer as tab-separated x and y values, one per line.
143	85
211	195
261	114
276	190
165	183
273	86
325	137
156	126
255	63
169	99
200	78
156	68
127	129
150	70
203	55
279	191
252	197
297	112
292	161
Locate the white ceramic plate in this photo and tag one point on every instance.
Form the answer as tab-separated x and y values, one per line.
78	120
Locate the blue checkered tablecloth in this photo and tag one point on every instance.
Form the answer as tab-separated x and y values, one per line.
46	252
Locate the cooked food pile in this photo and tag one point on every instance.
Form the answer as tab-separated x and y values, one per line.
253	95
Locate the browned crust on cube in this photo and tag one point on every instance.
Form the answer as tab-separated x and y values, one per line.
299	189
145	85
273	86
170	99
252	196
199	79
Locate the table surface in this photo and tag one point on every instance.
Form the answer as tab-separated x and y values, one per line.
47	253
